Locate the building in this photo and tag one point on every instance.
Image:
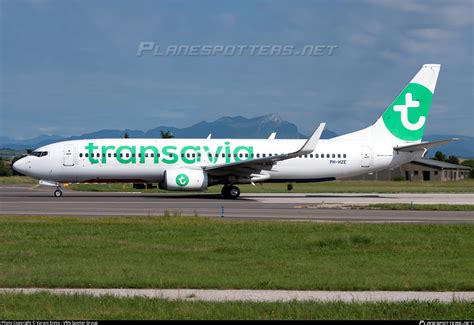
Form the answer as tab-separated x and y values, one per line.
421	170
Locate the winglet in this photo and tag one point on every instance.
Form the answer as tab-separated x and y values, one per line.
272	136
310	145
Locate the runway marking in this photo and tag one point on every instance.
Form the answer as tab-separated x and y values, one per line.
264	295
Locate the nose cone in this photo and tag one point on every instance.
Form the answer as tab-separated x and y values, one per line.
20	166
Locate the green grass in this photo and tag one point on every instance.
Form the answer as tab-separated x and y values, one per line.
194	252
420	207
466	186
47	306
17	180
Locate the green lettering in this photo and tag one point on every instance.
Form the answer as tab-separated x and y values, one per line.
126	160
214	157
173	157
90	148
192	160
143	150
104	153
227	152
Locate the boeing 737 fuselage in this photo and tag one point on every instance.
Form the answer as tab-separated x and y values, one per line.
195	164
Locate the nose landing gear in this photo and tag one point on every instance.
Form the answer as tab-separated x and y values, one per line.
230	192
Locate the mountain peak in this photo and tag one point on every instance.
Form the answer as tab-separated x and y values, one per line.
274	118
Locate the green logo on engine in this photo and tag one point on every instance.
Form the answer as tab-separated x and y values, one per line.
182	180
406	116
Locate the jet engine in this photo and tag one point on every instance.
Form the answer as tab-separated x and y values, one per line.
184	179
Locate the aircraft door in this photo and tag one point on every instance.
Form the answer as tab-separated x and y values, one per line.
367	157
68	155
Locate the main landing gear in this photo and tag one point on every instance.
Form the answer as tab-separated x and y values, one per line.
230	192
58	192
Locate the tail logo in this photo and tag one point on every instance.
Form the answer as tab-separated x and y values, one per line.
403	109
406	117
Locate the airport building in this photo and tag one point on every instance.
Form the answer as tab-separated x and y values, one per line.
421	170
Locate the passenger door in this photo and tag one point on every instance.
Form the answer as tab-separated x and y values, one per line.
366	157
68	155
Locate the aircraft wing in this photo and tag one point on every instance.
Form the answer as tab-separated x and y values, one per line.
246	167
423	145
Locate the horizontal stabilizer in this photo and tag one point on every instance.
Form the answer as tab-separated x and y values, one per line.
424	145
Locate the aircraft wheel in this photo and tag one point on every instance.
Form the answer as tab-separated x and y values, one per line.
234	192
58	193
225	191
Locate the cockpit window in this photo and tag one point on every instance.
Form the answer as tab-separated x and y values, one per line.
39	153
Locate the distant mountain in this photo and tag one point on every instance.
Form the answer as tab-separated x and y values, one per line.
225	127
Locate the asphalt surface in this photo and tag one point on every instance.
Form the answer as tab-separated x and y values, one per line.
26	200
263	295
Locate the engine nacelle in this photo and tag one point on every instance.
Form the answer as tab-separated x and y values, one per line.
184	179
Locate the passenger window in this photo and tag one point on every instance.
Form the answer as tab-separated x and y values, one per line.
311	156
334	155
115	154
223	155
246	155
87	155
258	155
263	155
344	155
80	155
146	154
127	155
338	155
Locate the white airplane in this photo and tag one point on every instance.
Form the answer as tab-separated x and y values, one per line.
195	164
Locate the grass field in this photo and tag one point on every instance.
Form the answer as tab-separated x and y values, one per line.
194	252
326	187
17	180
47	306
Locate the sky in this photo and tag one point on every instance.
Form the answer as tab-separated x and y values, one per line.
71	67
